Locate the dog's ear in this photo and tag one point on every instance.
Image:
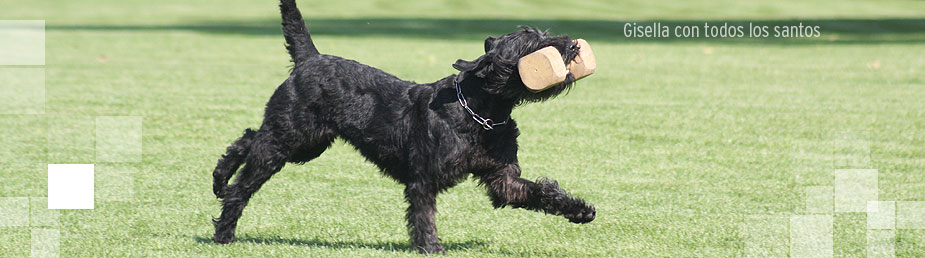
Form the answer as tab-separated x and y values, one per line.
465	66
489	43
479	66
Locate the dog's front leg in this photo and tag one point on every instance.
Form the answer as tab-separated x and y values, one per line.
421	224
506	188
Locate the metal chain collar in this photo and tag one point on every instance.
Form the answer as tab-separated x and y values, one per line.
486	123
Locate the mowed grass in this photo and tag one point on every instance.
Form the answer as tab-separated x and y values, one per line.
676	142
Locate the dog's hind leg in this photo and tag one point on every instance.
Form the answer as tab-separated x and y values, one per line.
230	162
506	188
266	157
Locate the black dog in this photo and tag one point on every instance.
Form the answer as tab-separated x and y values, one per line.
428	137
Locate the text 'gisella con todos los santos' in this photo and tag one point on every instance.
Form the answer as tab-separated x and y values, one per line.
724	30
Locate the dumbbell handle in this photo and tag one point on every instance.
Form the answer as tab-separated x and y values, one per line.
545	68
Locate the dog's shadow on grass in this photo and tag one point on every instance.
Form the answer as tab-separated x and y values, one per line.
399	246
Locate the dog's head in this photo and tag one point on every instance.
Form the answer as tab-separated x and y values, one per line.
498	66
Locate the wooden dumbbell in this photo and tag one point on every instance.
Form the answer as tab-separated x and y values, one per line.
545	68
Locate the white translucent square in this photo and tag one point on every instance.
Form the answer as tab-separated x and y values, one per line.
115	182
14	211
854	188
70	186
22	42
45	242
811	236
819	199
881	243
39	213
881	215
118	138
910	215
22	90
766	236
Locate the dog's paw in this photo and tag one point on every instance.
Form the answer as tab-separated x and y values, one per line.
223	238
220	191
582	216
431	249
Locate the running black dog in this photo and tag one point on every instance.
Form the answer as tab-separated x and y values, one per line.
428	137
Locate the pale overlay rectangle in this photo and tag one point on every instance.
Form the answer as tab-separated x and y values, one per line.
881	243
22	42
14	211
854	188
811	236
881	215
70	186
910	215
45	242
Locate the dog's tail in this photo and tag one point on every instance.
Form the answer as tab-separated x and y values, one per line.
230	162
298	40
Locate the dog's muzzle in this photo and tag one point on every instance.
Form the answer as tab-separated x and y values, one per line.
545	68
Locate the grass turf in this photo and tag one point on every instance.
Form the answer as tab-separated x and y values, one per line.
676	142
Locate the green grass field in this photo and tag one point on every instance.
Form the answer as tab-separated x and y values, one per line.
677	142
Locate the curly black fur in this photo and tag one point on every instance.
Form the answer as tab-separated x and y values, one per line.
418	134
